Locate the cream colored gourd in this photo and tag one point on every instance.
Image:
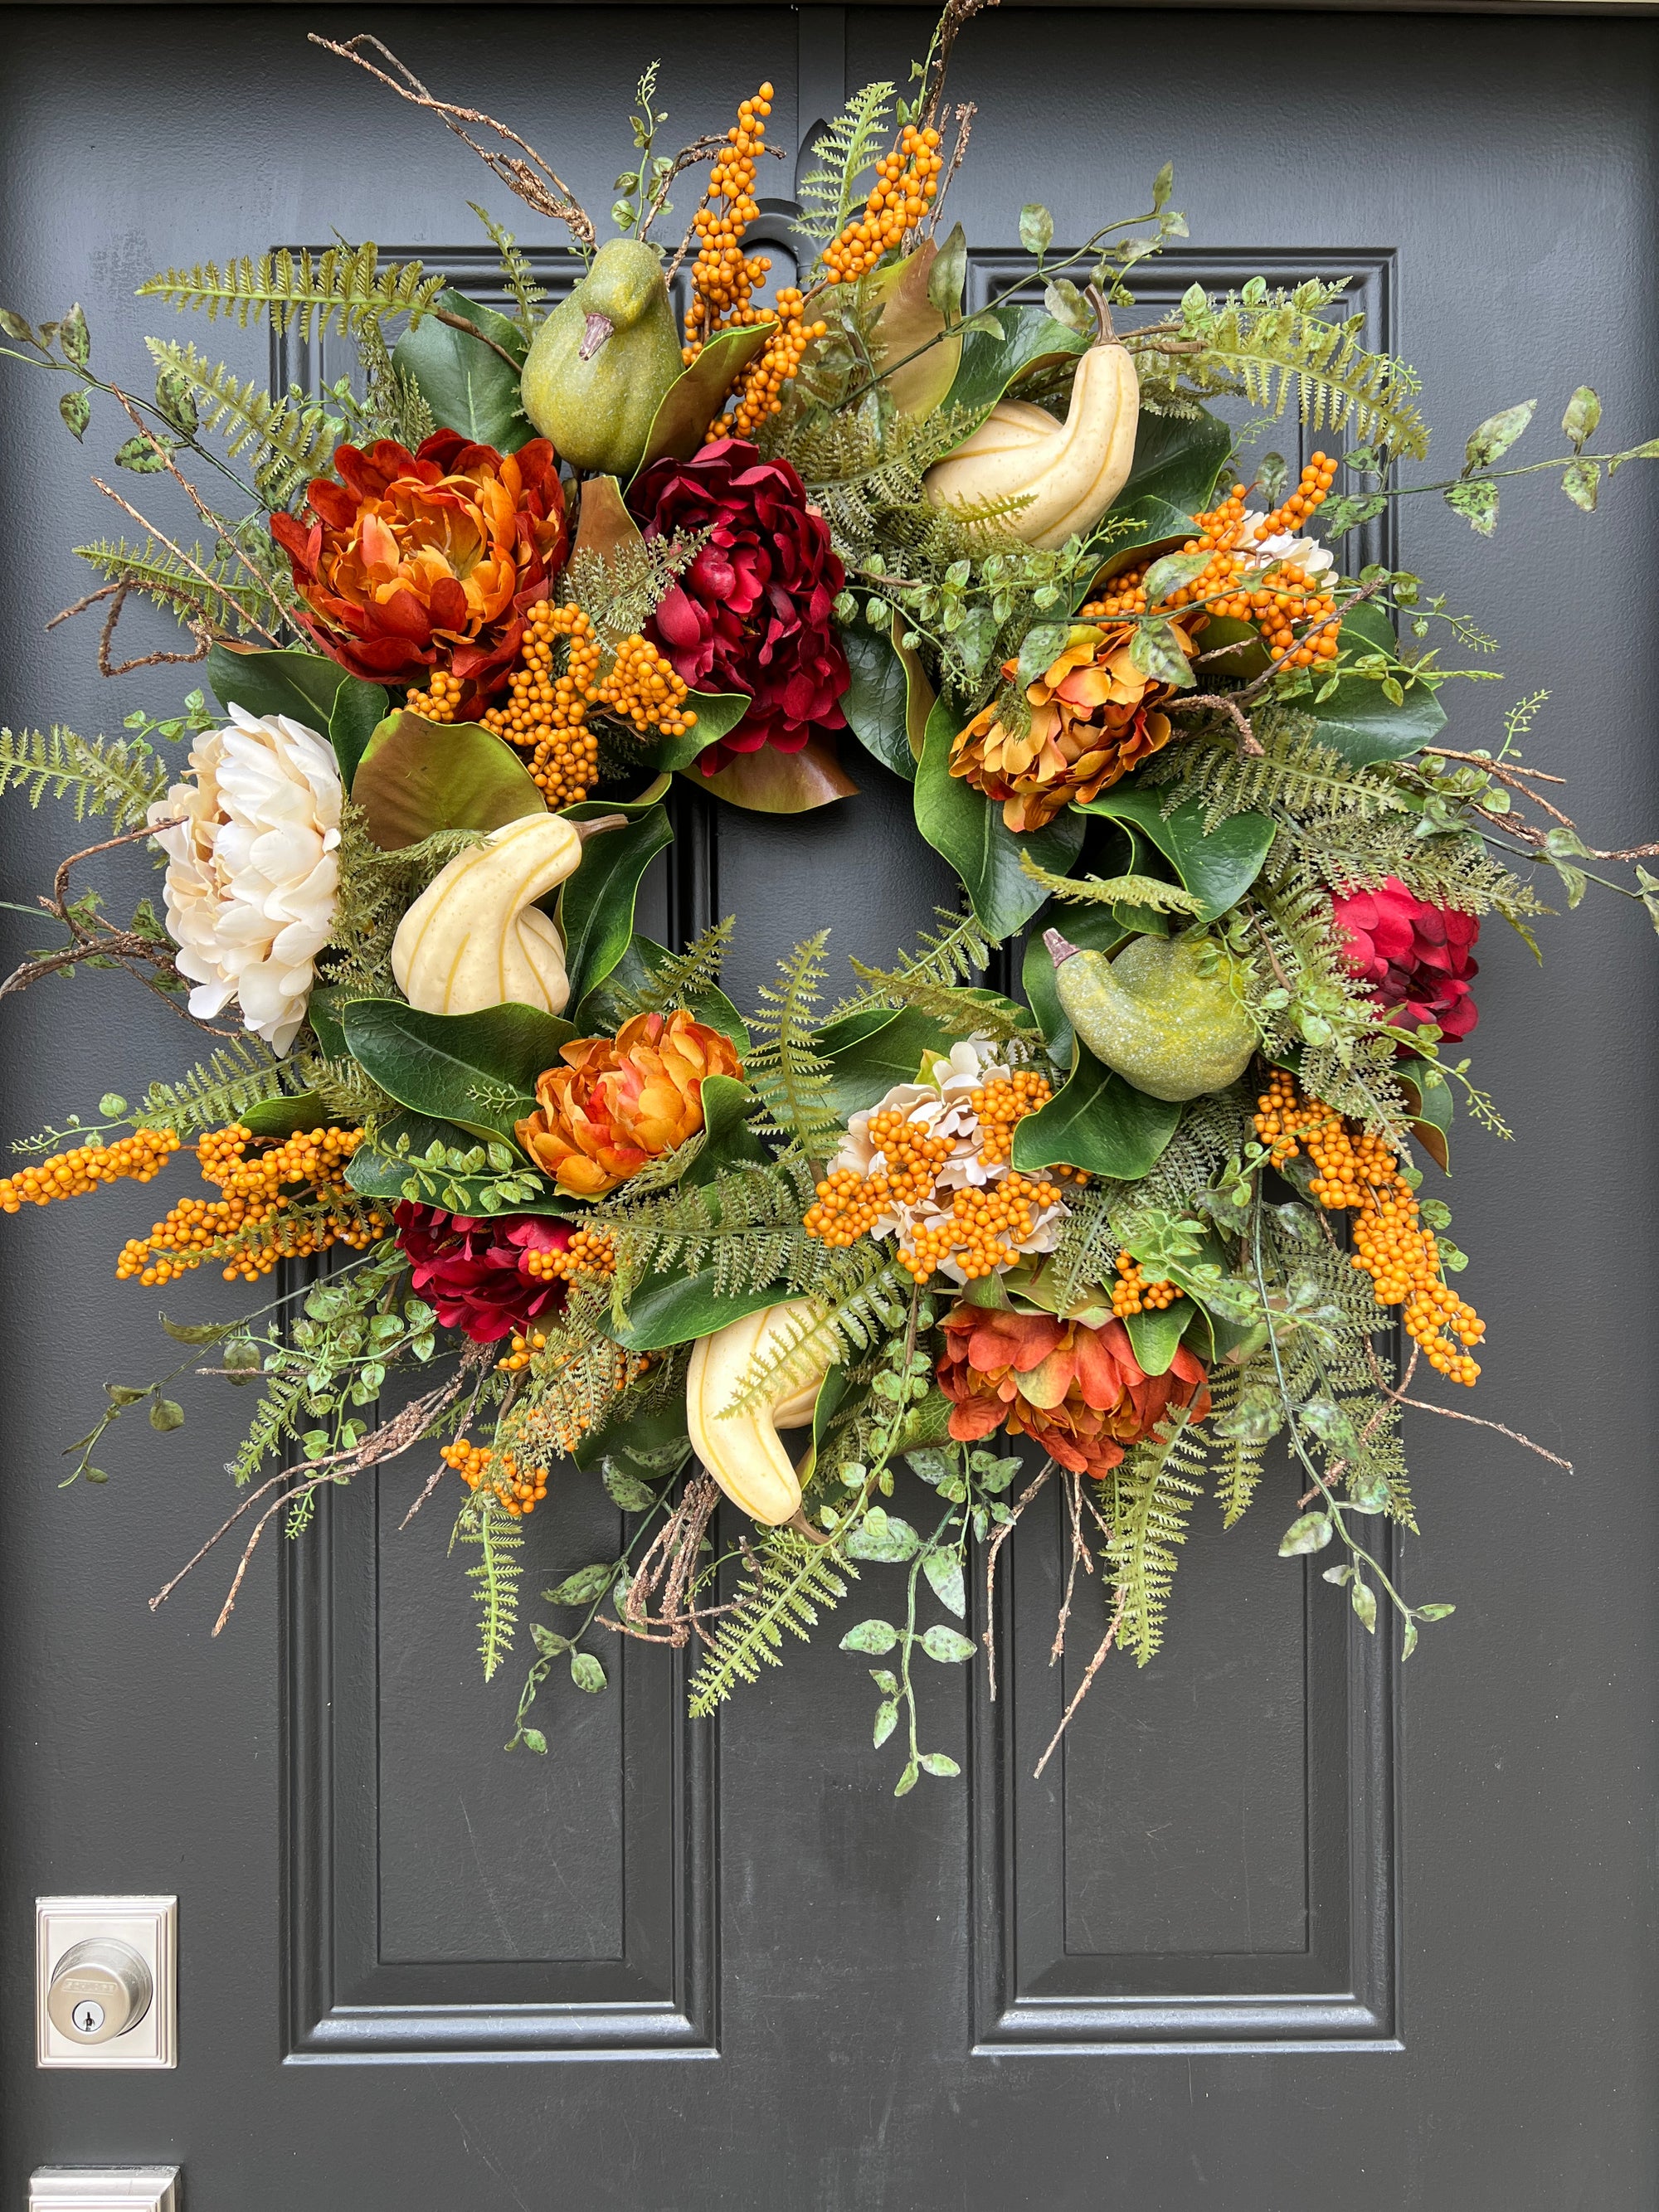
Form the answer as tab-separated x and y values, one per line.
743	1450
475	936
1070	471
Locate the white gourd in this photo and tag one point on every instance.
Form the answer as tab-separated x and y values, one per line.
743	1450
1070	471
475	936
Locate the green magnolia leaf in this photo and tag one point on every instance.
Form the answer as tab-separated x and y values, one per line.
968	829
1156	1336
416	777
728	1108
1091	928
654	1442
908	343
642	962
1028	338
1496	435
944	1576
717	711
946	1644
476	1070
1358	721
884	1538
868	1053
874	1636
1429	1100
467	385
693	399
1218	866
597	904
302	685
358	711
1177	461
1098	1122
671	1310
875	701
586	1673
584	1586
1310	1533
1037	227
1583	417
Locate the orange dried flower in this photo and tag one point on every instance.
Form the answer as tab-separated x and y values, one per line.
1094	717
622	1101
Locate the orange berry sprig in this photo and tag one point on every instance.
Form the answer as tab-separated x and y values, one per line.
140	1157
442	699
984	1230
1359	1172
590	1252
255	1225
1132	1294
643	689
1277	602
546	707
520	1488
759	389
723	276
906	183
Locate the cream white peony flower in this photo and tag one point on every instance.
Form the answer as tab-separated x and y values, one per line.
253	871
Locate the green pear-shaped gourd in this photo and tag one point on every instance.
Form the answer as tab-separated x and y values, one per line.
600	365
1164	1013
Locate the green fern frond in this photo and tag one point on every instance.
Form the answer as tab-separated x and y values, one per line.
276	1422
845	154
620	591
221	592
495	1575
516	272
1153	1495
240	1074
744	1226
1271	345
681	980
793	1580
783	1064
342	289
297	436
956	952
120	777
855	1305
393	404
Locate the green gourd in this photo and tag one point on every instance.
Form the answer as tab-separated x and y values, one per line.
1164	1013
600	365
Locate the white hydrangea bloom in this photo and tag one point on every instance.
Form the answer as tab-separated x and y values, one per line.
253	871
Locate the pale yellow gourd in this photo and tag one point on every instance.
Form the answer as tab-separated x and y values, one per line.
475	936
743	1450
1069	472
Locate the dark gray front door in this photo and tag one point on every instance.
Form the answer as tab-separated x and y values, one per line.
1280	1931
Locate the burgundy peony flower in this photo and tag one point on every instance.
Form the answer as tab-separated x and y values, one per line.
473	1271
752	612
1412	954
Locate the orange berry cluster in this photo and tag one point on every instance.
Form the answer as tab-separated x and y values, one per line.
590	1252
1132	1294
1000	1105
252	1227
1359	1171
140	1157
984	1230
439	701
642	689
906	183
760	388
723	276
520	1488
546	709
1277	602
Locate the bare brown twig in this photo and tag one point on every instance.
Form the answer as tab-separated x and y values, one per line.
1004	1532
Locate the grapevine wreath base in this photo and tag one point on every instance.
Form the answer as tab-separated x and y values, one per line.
1162	1210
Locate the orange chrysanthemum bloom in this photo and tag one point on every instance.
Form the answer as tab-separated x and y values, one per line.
1079	1393
622	1101
427	561
1094	718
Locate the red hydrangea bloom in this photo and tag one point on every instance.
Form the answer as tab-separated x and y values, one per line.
414	561
1412	955
472	1271
753	612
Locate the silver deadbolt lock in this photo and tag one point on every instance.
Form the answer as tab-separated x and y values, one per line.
99	1989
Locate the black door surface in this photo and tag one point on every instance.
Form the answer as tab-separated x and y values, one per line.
1282	1931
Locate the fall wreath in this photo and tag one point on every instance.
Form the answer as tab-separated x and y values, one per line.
1125	1163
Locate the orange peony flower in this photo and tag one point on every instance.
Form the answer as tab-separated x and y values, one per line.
1077	1392
623	1102
417	561
1094	718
